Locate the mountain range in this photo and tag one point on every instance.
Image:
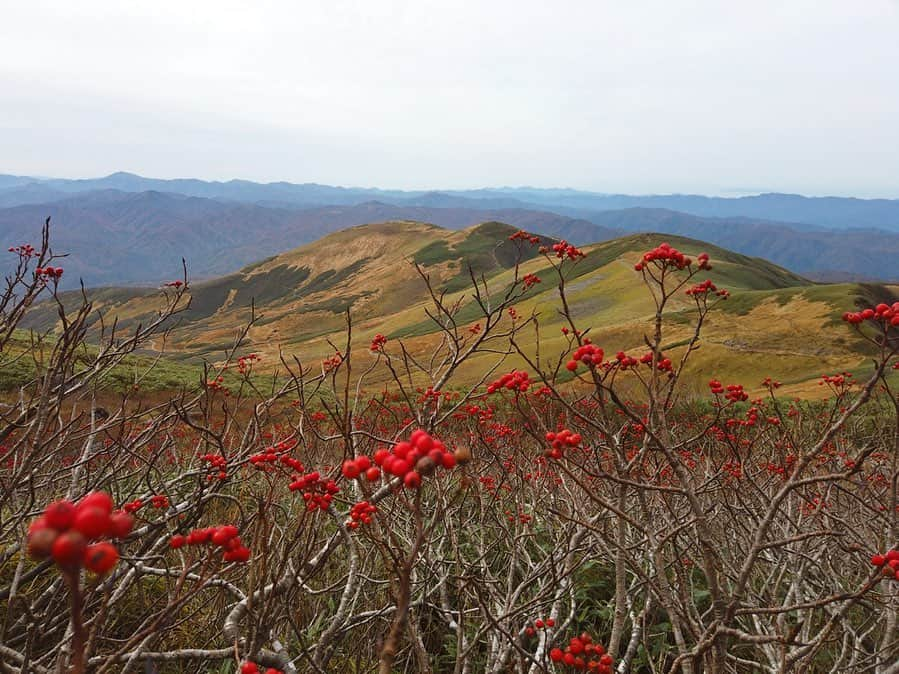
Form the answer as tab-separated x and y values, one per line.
126	229
828	212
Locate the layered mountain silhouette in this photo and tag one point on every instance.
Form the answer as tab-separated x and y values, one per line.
127	229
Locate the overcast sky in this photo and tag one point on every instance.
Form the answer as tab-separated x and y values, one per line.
720	97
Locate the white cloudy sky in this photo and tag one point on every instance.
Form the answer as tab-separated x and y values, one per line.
630	96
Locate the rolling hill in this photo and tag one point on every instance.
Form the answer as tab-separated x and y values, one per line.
301	295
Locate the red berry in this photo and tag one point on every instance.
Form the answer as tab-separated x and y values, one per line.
412	480
120	524
350	469
91	521
40	542
68	549
60	514
101	557
97	499
399	467
372	474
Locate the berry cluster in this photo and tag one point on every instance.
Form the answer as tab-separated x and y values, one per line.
883	313
418	456
663	364
581	653
563	249
218	384
664	256
625	362
523	235
361	513
217	465
561	440
732	392
245	363
530	280
317	492
252	668
225	537
332	363
361	465
889	562
49	272
589	354
65	529
173	284
706	288
517	380
539	624
377	344
277	454
25	250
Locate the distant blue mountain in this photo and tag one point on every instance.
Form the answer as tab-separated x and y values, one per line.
826	212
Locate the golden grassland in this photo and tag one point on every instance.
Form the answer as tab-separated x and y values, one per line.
775	324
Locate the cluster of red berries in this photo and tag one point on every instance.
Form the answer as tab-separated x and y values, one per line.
732	392
317	492
561	440
218	384
625	362
839	382
770	384
173	284
361	513
25	250
475	329
160	501
889	562
217	465
663	364
706	288
277	454
412	459
523	235
664	255
539	624
245	363
581	653
332	363
65	529
563	249
882	312
361	465
530	280
377	344
252	668
49	272
517	380
225	537
589	354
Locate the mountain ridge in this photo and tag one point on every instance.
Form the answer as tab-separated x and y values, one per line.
828	211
